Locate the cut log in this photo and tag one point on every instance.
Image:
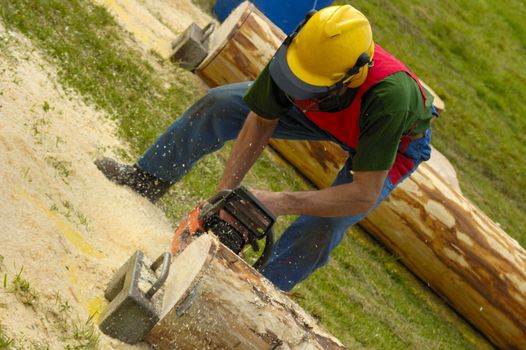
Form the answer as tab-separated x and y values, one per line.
215	300
444	168
459	252
240	48
444	239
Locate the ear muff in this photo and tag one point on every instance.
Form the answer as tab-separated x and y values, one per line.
362	60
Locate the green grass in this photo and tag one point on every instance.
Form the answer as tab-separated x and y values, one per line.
367	299
22	289
205	5
95	62
74	333
6	342
364	296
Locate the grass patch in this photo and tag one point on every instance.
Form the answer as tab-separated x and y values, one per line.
95	61
205	5
368	299
6	342
76	334
22	289
62	167
73	332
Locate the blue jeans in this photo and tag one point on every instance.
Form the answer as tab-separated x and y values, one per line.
218	117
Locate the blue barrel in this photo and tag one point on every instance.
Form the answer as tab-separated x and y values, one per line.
285	14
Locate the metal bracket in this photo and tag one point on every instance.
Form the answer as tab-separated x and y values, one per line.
133	311
191	47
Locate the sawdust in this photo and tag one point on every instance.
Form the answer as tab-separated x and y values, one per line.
65	229
60	219
155	24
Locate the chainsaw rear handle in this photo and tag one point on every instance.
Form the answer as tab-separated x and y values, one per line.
226	200
267	251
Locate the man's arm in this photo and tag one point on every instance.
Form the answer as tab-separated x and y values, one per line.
357	197
251	141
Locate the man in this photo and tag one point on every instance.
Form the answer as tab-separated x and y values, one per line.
328	81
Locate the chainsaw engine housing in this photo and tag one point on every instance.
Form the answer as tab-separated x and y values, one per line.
236	217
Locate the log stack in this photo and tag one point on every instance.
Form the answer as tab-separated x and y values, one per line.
443	238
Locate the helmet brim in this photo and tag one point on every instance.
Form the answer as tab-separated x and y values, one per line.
287	81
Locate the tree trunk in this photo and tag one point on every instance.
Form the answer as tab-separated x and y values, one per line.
444	239
214	300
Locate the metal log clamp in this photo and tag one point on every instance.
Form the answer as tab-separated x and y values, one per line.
135	297
191	47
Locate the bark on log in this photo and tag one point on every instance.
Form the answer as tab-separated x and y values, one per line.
214	300
440	235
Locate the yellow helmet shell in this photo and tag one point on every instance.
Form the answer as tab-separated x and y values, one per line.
329	45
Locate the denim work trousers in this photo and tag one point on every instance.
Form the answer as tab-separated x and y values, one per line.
218	117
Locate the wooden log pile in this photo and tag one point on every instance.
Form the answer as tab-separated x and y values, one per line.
443	238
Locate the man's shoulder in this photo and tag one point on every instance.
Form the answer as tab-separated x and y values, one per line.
396	90
396	83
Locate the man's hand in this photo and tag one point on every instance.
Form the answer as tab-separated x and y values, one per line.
357	197
271	201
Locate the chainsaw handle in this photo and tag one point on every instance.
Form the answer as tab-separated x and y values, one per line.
225	199
267	251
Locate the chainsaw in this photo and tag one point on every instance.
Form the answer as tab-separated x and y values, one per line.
236	217
135	291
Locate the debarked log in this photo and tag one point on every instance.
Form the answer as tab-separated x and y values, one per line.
443	238
215	300
457	251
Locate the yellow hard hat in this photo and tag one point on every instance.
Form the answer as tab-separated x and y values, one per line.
330	48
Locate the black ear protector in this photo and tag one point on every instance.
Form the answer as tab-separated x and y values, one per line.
295	87
362	60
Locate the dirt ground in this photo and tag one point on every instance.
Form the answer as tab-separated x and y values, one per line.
64	228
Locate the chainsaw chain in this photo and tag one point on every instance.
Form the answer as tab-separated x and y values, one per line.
227	235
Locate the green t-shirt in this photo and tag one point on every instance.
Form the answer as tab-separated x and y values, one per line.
390	109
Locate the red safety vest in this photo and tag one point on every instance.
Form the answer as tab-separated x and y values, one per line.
344	124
